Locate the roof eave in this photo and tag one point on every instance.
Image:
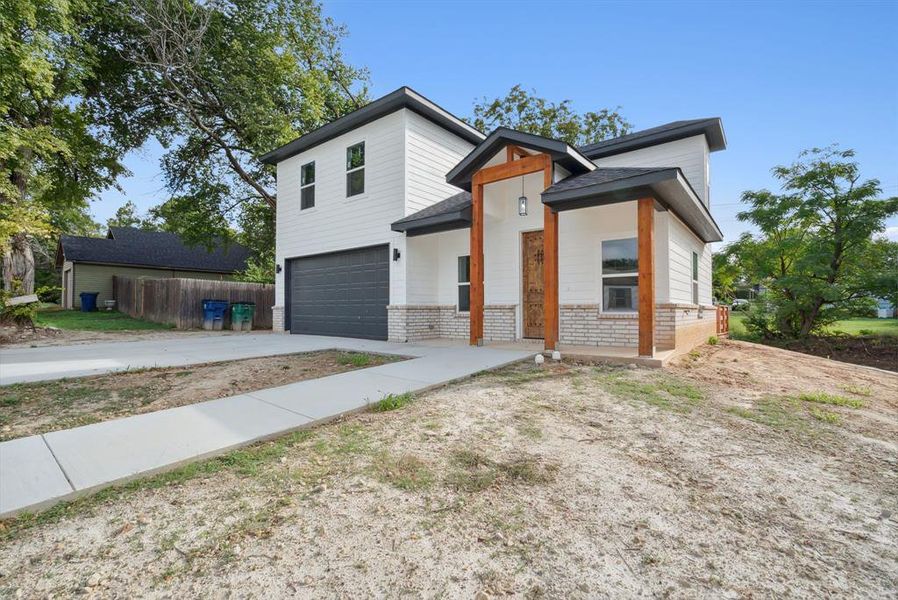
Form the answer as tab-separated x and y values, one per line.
668	186
461	218
404	97
712	129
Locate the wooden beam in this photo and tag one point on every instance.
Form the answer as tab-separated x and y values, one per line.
475	313
513	151
550	268
517	168
645	228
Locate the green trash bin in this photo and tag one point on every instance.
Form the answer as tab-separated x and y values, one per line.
242	316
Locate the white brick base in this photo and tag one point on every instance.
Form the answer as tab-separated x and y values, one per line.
423	321
676	325
277	318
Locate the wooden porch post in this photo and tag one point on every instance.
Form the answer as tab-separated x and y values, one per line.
550	267
645	228
476	249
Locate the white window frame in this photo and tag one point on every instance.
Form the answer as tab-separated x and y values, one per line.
364	145
603	275
460	284
308	185
694	267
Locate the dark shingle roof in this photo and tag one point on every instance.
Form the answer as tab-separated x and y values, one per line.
710	127
601	175
450	205
158	249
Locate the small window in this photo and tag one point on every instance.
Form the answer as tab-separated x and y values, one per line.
620	275
355	170
464	283
307	186
695	278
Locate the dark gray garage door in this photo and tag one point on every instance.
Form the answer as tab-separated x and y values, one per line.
342	293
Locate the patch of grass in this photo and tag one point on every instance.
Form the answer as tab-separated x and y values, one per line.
713	340
406	472
771	411
681	389
351	439
392	402
833	399
475	472
858	326
825	416
659	390
857	390
246	461
94	321
356	359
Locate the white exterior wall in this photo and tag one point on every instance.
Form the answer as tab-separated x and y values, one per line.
681	244
406	161
690	154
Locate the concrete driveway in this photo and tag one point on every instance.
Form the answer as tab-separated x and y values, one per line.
40	470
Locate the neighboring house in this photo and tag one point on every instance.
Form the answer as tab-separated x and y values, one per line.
884	309
400	221
89	263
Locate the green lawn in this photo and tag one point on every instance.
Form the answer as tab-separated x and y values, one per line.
848	326
93	321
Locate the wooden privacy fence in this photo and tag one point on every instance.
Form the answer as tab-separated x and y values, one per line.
179	302
723	320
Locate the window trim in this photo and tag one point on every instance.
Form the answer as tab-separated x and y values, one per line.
364	145
695	269
307	185
602	276
459	284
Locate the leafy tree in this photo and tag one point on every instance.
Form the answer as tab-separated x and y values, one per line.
725	274
61	135
127	216
238	78
815	250
525	111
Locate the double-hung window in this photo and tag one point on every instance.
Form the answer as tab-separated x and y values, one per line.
355	169
307	186
620	275
695	278
464	283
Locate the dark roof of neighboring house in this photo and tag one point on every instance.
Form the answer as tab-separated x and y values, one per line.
712	128
404	97
561	152
152	249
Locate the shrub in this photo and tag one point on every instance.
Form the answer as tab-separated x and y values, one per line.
49	293
20	315
713	340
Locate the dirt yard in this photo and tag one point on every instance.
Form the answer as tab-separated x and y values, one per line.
742	471
31	408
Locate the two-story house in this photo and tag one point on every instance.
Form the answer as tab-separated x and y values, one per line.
400	221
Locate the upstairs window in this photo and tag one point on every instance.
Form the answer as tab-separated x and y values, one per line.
464	283
307	186
355	170
620	275
695	278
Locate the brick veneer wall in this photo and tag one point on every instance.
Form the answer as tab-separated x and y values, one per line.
277	318
675	325
422	321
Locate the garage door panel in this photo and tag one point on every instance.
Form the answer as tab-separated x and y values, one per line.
343	294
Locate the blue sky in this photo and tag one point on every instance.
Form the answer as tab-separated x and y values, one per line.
783	76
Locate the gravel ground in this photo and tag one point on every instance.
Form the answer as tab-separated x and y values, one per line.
712	479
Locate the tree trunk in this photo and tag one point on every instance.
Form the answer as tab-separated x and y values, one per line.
18	266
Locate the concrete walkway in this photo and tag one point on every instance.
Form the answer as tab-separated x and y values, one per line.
38	471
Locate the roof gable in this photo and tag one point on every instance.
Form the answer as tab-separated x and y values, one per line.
404	97
711	128
561	152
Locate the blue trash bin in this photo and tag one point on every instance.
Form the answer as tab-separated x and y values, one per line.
89	301
214	313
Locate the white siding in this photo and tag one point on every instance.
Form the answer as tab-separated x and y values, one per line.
691	155
681	244
431	153
337	222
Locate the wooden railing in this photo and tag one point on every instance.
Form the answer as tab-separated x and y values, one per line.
178	302
723	320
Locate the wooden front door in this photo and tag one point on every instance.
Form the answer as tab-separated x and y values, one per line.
532	265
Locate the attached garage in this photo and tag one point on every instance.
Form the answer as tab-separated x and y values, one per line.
341	293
